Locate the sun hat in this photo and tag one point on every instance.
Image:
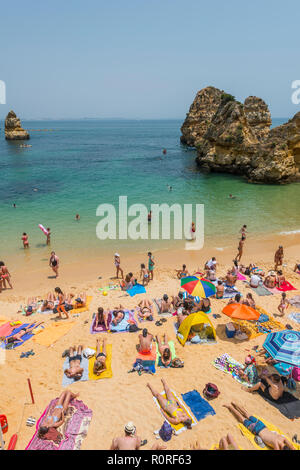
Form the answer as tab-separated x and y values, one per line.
117	254
130	428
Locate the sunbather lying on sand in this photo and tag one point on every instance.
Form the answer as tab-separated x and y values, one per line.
145	342
49	303
270	280
118	315
164	349
100	362
271	386
226	443
145	309
75	370
257	427
17	338
101	320
171	409
32	305
80	301
230	280
56	415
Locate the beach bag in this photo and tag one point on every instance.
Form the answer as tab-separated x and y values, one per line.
291	384
88	353
211	391
166	432
132	328
296	374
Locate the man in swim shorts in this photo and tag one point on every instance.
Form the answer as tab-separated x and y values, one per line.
145	342
75	370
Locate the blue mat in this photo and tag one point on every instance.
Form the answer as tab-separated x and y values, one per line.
24	338
123	325
198	405
137	289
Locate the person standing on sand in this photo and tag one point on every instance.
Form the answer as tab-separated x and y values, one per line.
151	264
25	240
278	257
118	267
243	230
54	263
240	248
48	236
5	275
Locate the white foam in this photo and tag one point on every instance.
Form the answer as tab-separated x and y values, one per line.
292	232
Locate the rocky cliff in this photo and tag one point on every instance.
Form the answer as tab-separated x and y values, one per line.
235	137
13	128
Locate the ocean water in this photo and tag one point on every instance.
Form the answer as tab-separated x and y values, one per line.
77	165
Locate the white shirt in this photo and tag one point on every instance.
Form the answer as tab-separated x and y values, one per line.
211	264
255	280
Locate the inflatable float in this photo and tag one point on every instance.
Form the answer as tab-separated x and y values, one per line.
45	231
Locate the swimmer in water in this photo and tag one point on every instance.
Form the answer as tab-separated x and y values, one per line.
77	217
169	187
48	236
14	205
25	240
231	196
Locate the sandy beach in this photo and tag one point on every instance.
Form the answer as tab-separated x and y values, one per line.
124	397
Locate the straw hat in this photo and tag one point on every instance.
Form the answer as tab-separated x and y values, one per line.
130	428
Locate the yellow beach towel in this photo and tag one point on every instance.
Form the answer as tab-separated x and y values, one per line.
107	374
251	329
52	333
82	309
178	428
250	436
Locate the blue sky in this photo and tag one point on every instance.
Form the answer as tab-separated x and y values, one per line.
145	58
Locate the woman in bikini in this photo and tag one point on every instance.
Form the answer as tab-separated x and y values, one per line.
118	267
54	263
144	275
284	304
61	303
100	362
118	314
164	350
17	338
55	416
145	309
5	275
25	240
249	300
171	409
280	279
126	283
75	370
101	320
220	290
177	301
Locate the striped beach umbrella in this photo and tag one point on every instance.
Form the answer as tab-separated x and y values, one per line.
284	346
198	287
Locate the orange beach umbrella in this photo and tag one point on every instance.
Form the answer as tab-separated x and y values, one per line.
241	312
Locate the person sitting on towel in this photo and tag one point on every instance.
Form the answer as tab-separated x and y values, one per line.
75	370
164	350
177	300
101	320
271	387
235	300
100	362
262	434
255	280
249	373
80	301
55	415
230	279
145	342
171	409
280	279
165	304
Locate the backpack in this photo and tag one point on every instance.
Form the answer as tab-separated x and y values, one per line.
132	328
211	391
166	432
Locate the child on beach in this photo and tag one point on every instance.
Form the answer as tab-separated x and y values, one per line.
284	304
117	262
151	264
144	275
25	240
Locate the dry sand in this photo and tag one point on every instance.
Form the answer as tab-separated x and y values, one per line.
125	397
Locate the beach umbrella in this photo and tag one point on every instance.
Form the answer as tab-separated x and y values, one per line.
241	312
284	346
198	287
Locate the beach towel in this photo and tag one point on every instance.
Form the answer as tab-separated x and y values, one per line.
295	316
110	287
286	286
73	430
241	277
53	332
6	329
82	309
295	301
158	355
66	381
165	314
230	292
261	290
102	328
137	289
251	437
229	365
148	359
198	405
255	329
24	338
178	428
288	405
124	324
107	374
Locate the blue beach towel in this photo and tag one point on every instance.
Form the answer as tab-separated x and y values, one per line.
295	316
137	289
24	338
123	325
85	376
198	405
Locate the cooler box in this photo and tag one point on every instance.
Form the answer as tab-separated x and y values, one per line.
230	330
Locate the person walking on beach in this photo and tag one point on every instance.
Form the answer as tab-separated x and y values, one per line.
118	267
278	257
54	263
48	236
151	264
25	240
240	248
284	304
61	303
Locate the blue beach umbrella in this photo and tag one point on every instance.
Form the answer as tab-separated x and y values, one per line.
284	346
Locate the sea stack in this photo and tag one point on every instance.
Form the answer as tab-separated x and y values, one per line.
13	128
234	137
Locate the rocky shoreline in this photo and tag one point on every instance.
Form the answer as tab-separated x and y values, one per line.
13	128
235	137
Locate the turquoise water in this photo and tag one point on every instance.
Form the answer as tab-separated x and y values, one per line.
81	164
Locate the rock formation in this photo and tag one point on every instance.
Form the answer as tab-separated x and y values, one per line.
236	138
13	128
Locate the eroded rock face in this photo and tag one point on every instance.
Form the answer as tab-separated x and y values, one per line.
237	139
13	128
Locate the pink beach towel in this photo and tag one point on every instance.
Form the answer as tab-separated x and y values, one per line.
285	286
102	328
74	429
241	277
7	329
